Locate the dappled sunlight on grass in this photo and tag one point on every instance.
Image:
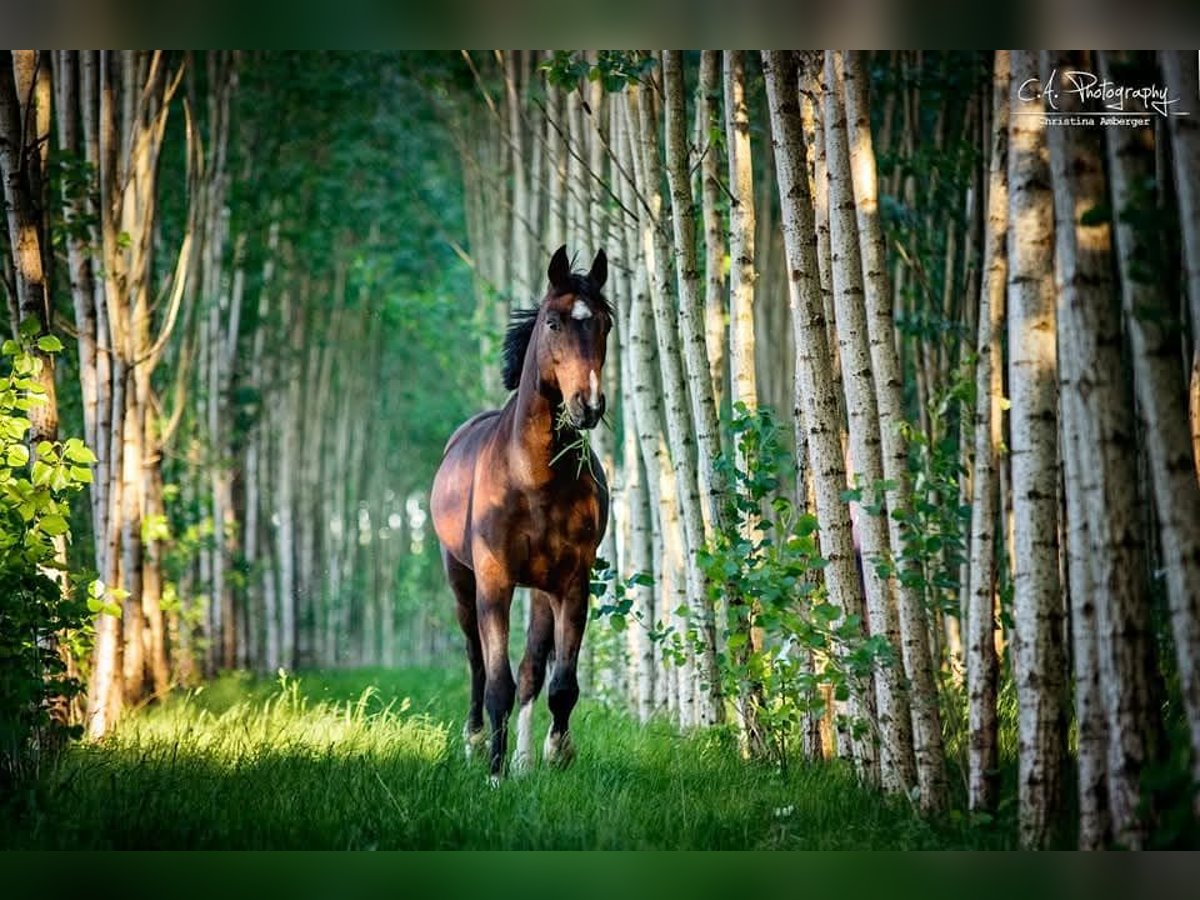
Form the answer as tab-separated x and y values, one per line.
287	723
373	759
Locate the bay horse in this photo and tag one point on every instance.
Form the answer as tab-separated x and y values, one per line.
514	503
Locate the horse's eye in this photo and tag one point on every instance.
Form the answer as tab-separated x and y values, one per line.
553	323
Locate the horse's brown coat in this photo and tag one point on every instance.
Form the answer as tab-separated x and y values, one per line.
509	510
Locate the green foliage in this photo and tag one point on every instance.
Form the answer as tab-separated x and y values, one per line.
614	69
373	759
935	526
36	615
765	563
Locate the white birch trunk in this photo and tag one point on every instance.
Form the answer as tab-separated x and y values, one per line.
897	762
885	365
1039	668
982	663
709	121
679	427
821	420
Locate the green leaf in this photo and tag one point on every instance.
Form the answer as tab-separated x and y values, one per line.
806	524
41	472
77	451
17	455
54	525
49	343
643	578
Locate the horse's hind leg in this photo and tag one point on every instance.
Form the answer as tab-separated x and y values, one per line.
462	582
569	621
539	642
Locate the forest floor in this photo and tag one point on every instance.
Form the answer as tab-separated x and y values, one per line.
372	759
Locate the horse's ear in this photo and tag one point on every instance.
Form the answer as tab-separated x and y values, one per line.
599	273
560	270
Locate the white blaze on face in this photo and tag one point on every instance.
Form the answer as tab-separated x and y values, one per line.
581	311
594	386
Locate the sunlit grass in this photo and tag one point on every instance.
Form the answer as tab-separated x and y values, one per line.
373	759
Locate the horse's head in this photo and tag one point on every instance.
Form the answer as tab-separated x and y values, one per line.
572	328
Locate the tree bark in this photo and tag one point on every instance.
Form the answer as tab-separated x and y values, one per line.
708	117
897	761
679	427
1180	73
983	780
885	365
1154	337
1039	668
821	419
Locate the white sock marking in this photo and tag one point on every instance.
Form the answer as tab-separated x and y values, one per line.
524	756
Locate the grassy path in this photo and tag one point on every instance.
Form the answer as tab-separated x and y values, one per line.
372	759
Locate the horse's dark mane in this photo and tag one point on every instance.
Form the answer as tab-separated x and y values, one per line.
516	342
521	322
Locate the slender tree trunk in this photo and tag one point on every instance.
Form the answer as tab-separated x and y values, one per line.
821	419
742	274
1181	76
885	365
1101	415
638	399
743	393
709	126
897	762
983	781
679	427
1039	668
1154	337
20	171
692	336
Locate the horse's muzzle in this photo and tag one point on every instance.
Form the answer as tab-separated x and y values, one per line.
586	415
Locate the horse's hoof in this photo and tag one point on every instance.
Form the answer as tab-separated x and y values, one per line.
559	750
493	781
473	741
522	763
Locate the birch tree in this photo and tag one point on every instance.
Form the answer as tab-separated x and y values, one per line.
679	426
897	763
1182	78
819	404
885	366
982	662
709	124
1039	663
1162	406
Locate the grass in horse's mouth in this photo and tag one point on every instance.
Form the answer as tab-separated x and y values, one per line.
582	442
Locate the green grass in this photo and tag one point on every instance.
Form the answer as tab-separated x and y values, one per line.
373	759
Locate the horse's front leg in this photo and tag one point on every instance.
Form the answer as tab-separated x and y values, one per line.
493	601
570	618
532	673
